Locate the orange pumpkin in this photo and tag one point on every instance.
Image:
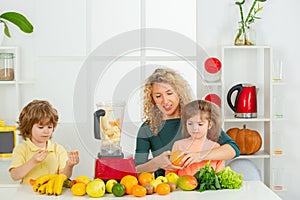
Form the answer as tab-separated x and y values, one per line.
249	141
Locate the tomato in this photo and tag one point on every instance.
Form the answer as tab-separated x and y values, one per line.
163	189
138	191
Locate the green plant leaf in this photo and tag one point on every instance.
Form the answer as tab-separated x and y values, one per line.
19	20
6	31
261	0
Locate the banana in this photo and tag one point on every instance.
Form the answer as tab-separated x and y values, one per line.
50	185
42	188
43	179
35	187
58	184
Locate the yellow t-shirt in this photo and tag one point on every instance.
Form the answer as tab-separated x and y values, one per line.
55	160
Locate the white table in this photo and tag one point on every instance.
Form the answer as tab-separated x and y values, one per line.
249	191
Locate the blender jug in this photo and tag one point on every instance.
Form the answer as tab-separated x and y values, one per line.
108	127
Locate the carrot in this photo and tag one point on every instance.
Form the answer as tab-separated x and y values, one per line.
32	181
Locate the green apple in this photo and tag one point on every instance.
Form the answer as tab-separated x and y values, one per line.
162	179
172	177
109	184
96	188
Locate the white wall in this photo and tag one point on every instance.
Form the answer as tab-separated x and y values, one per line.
66	32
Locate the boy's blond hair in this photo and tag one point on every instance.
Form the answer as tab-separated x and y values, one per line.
37	111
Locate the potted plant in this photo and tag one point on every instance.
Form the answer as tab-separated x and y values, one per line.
17	19
243	37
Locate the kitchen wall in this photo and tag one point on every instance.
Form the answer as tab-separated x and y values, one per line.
68	33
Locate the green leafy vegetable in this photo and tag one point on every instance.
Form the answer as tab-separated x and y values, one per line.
207	178
229	179
224	179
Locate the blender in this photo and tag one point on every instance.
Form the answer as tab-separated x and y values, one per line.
111	164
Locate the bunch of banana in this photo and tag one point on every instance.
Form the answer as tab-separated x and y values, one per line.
50	184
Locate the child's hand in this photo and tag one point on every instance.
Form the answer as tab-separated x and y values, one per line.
40	156
73	158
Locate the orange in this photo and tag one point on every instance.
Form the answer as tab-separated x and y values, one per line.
129	181
82	179
139	191
78	189
145	177
163	189
175	158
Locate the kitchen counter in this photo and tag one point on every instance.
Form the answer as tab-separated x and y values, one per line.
249	191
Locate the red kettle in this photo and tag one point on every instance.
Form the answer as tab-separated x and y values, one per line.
245	105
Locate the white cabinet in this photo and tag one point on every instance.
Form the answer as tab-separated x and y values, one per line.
9	90
11	95
251	64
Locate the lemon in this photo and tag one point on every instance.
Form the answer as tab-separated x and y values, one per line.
78	189
109	184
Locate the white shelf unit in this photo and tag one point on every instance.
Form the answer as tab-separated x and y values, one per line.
11	95
10	91
251	64
279	117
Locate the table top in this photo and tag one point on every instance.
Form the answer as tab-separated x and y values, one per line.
249	191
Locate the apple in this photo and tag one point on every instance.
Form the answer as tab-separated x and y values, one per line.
96	188
172	177
155	183
162	179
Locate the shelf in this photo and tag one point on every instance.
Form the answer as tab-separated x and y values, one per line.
246	47
279	83
7	82
257	155
15	82
258	119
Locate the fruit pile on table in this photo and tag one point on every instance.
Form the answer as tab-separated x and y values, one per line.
142	185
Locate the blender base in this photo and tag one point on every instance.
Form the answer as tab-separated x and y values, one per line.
114	168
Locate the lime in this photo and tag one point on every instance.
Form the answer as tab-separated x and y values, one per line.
118	189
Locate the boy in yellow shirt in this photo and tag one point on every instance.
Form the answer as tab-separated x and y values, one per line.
38	155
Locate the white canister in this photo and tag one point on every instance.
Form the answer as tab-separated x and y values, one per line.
212	69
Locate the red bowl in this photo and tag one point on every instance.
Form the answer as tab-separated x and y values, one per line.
213	98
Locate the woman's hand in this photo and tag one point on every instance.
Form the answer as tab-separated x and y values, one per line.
73	158
163	161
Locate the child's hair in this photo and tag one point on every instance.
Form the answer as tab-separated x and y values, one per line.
37	111
203	108
152	115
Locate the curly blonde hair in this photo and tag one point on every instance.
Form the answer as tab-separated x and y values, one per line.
152	115
37	111
203	107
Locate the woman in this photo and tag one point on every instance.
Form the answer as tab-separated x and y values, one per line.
165	93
